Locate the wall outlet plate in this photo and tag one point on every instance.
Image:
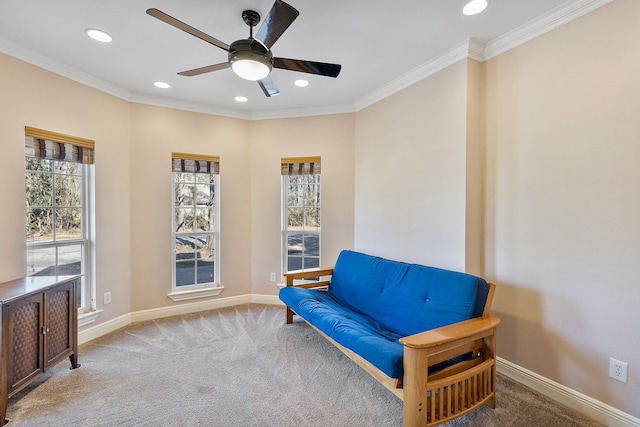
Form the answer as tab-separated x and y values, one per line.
272	277
618	370
107	298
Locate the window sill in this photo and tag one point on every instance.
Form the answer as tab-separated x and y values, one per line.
195	293
88	317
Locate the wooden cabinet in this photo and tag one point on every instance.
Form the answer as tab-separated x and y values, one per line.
39	328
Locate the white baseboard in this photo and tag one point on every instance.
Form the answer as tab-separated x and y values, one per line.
91	333
592	408
586	405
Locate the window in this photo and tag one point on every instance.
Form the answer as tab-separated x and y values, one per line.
57	176
195	224
301	213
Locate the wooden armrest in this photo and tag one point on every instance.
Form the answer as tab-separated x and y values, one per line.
451	333
305	274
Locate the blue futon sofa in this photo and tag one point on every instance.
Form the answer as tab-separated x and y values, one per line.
423	332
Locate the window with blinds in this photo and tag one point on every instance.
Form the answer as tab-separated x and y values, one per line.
57	211
195	225
301	212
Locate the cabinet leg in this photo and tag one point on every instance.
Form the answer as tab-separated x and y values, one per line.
3	411
74	361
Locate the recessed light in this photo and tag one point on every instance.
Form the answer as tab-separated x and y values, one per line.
474	7
301	83
98	35
162	85
241	98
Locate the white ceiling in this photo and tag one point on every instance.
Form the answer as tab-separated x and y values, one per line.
382	46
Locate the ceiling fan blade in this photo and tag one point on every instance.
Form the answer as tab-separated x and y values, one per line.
268	87
276	22
186	28
311	67
202	70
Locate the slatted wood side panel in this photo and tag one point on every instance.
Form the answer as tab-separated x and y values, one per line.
455	396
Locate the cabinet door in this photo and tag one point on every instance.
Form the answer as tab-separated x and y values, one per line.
58	304
25	341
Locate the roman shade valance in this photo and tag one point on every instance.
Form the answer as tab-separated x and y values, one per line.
44	144
300	165
195	163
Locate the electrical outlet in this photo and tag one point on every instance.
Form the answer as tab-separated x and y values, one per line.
107	298
272	277
618	370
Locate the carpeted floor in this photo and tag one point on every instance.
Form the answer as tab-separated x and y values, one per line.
240	366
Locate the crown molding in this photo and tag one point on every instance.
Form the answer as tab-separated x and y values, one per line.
469	49
194	107
456	54
302	112
548	22
42	61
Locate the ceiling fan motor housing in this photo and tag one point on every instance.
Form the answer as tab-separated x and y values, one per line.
250	50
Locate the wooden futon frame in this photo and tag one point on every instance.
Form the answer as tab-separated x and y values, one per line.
433	399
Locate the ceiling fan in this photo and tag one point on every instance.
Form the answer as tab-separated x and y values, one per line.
251	58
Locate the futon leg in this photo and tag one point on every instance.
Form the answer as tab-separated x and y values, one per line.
290	314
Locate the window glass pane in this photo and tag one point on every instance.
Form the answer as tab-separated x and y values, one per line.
312	245
204	195
312	195
205	257
294	263
35	164
38	188
68	190
184	220
206	270
39	225
68	223
185	273
311	263
312	218
41	261
185	248
185	176
295	218
294	244
184	194
185	260
70	260
205	219
205	178
67	168
179	193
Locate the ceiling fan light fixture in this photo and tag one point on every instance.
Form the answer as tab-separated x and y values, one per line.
474	7
250	59
250	69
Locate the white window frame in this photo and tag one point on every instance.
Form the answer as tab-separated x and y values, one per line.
286	232
197	290
87	286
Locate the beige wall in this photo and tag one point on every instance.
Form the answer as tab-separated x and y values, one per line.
330	137
156	133
544	138
410	151
31	96
563	202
